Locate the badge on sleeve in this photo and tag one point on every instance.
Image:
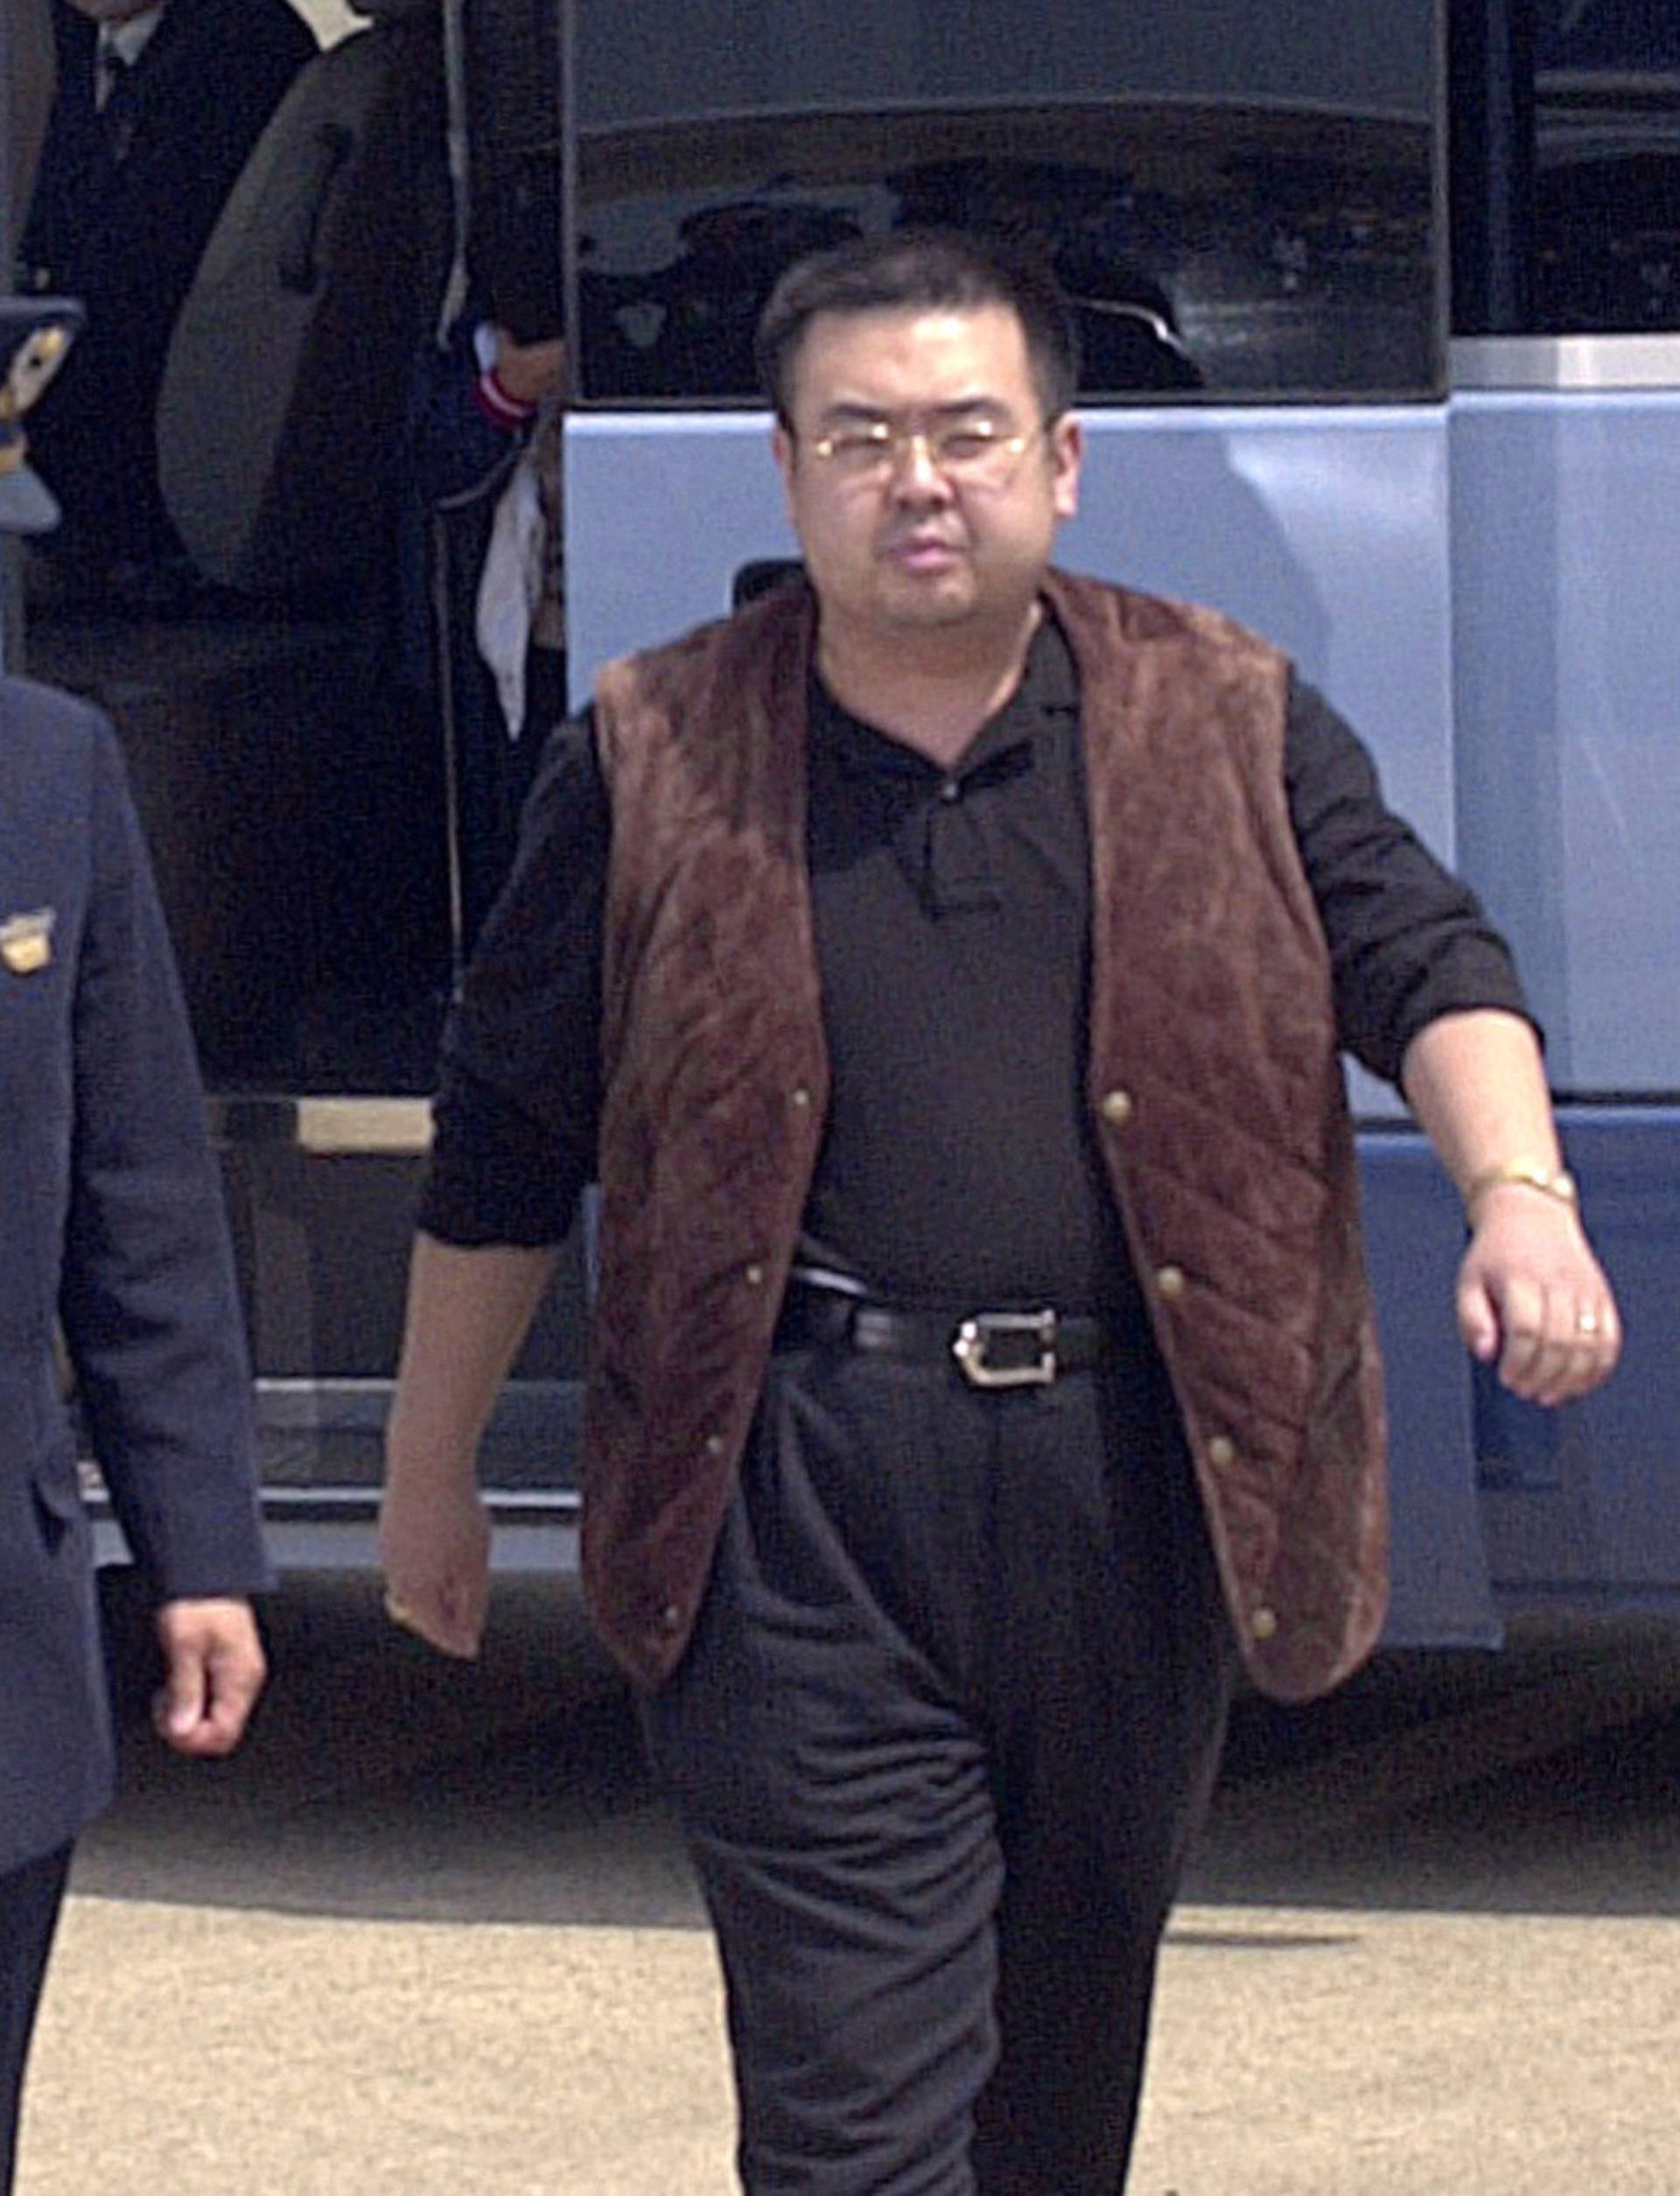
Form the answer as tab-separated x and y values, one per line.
27	941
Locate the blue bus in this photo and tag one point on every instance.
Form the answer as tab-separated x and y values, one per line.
1380	303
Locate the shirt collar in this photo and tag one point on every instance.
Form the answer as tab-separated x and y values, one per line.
1047	695
128	41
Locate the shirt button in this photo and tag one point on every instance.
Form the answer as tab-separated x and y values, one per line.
1222	1452
1262	1622
1117	1108
754	1275
950	789
1169	1279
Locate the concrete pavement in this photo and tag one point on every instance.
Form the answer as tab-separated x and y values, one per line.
428	1937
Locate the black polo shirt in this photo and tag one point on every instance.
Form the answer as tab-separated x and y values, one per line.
952	916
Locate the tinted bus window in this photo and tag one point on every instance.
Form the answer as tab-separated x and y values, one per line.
1608	166
1566	167
1240	201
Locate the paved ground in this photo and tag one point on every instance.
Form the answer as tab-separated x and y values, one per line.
432	1933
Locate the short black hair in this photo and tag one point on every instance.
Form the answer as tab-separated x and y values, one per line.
914	269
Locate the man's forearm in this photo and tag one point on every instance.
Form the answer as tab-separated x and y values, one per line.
1477	1085
1530	1295
468	1311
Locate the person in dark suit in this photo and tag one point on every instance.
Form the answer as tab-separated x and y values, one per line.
155	109
115	1236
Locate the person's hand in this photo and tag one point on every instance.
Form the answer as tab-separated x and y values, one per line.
213	1669
1532	1297
529	372
434	1545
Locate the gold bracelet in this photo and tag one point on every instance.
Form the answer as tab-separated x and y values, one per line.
1551	1182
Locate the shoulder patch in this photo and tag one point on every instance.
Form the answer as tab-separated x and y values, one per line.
27	941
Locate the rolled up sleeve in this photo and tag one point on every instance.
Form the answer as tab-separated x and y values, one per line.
1408	940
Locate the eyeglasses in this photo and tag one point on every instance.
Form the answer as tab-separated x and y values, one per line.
970	453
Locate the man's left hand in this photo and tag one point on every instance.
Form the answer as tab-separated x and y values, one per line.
1532	1296
213	1668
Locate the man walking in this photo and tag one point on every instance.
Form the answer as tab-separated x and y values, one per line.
944	963
112	1229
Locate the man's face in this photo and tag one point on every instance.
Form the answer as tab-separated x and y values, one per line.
904	543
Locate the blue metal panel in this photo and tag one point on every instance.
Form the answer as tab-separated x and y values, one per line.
1328	530
1584	1504
1498	1505
1628	1160
1414	1233
661	510
1325	529
1567	560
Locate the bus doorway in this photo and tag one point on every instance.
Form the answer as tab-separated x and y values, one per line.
279	669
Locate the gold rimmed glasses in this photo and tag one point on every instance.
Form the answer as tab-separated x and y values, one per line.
973	452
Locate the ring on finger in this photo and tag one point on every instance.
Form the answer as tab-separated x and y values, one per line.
1587	1322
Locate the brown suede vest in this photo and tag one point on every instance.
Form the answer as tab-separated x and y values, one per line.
1214	1086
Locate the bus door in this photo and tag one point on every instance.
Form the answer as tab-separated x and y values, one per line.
274	678
1566	449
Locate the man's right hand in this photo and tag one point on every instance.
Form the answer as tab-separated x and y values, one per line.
213	1669
434	1547
468	1312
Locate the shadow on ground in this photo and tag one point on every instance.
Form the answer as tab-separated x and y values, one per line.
381	1781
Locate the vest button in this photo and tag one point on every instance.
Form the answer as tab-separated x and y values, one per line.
1169	1279
754	1276
714	1445
802	1099
1222	1452
1262	1622
1117	1108
670	1618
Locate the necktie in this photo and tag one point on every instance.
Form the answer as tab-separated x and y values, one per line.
114	99
109	69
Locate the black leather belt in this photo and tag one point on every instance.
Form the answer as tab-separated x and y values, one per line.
991	1348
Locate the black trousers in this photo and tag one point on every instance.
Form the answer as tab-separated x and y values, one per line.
30	1899
951	1717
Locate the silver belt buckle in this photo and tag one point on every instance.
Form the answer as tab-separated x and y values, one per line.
971	1347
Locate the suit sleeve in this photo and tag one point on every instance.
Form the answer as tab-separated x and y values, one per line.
148	1301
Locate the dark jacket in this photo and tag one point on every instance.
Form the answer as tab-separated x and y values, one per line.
111	1220
1214	1082
125	234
